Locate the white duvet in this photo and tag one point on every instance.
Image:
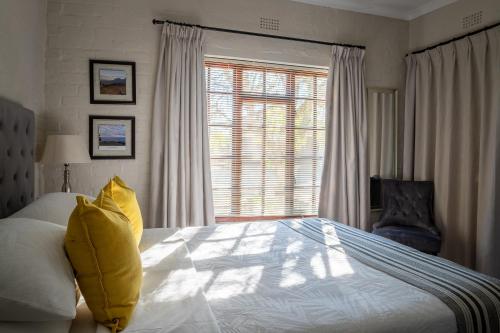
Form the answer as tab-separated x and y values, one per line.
265	277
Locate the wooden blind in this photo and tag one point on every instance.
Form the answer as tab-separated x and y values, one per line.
267	138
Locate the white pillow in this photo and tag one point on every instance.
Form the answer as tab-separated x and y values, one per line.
52	207
36	278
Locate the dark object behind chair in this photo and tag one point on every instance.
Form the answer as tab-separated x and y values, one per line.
407	215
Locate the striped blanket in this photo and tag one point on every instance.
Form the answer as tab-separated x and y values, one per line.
474	298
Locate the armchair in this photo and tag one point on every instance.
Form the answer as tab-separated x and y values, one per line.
407	215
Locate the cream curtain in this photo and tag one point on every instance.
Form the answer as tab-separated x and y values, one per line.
382	132
452	136
181	192
344	194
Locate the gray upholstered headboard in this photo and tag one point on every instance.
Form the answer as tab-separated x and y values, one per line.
17	144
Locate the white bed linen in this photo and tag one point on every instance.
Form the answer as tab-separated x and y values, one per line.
52	207
171	298
36	278
265	277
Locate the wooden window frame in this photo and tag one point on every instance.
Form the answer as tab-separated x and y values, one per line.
290	101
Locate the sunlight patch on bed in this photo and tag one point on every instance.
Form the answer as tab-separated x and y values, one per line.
333	239
294	247
233	282
253	245
339	264
226	231
160	251
210	250
180	284
318	266
261	228
289	277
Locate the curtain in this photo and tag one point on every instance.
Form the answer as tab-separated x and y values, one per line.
344	193
452	136
181	192
382	132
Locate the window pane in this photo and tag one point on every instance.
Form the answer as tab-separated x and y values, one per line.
221	80
251	202
304	143
276	83
220	141
276	115
303	172
221	109
320	110
320	141
304	86
252	114
253	82
274	201
221	205
221	173
275	173
275	142
302	201
251	143
319	171
304	115
251	175
321	87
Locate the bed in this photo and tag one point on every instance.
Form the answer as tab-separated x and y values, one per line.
303	275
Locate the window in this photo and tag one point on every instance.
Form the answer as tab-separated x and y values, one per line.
267	137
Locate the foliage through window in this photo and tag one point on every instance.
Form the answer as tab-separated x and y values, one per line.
267	137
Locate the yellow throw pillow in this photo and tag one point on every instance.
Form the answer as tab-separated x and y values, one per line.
125	198
106	260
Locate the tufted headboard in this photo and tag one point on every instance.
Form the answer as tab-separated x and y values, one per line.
17	144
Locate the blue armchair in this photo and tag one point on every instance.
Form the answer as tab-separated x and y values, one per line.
407	215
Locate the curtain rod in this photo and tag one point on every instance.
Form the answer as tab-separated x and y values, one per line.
155	21
454	39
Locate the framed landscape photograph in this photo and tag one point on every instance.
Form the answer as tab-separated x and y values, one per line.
112	82
111	137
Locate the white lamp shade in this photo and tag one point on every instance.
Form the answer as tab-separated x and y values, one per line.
61	149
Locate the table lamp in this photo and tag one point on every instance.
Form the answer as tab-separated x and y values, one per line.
65	149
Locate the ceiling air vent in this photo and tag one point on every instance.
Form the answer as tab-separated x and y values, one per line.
267	23
471	20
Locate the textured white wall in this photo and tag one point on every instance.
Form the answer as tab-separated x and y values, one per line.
23	29
122	30
446	22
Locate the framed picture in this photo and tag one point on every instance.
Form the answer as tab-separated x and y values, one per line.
112	82
111	137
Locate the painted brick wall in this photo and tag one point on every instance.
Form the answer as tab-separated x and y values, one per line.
122	30
77	32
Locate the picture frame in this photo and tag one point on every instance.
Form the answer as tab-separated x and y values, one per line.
111	137
112	82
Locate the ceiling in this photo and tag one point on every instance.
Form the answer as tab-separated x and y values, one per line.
401	9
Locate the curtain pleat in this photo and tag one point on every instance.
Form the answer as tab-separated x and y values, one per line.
381	133
345	181
452	136
181	192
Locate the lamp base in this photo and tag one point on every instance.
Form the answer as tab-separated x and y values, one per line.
66	186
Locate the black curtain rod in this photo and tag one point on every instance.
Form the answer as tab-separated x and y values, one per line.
155	21
455	38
